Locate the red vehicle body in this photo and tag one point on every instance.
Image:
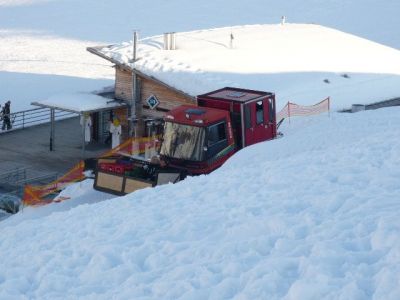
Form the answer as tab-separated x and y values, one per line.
242	113
199	139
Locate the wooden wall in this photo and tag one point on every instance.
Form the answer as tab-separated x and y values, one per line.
169	98
123	84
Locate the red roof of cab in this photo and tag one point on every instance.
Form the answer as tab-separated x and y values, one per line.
235	95
191	115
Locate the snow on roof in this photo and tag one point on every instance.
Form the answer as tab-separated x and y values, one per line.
79	102
302	63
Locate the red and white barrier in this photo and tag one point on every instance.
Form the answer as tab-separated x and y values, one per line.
296	110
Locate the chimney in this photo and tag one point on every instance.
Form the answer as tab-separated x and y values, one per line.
134	45
169	41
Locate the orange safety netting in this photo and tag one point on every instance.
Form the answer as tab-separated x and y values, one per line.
36	195
296	110
136	146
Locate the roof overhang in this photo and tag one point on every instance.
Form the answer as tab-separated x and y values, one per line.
80	103
97	51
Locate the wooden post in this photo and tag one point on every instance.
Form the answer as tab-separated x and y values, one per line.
132	112
132	106
136	107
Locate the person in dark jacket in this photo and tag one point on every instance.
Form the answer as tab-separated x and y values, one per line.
6	114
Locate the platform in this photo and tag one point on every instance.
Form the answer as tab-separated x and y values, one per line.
30	148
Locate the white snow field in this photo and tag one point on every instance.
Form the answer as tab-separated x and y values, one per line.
312	215
295	60
38	65
43	43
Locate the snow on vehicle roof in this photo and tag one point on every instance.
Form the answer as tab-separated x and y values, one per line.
301	63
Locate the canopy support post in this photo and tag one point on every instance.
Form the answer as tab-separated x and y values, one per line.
83	135
52	129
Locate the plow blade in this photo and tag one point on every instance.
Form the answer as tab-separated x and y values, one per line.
121	184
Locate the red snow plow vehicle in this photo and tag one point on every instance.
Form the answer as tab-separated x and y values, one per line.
196	140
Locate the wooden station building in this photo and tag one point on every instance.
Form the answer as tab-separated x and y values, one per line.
147	99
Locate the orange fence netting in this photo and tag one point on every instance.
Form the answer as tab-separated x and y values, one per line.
136	146
296	110
39	195
36	195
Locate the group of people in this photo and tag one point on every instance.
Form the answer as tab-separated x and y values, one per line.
5	116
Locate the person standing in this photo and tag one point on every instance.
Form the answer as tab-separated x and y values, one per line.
6	113
115	130
86	121
109	135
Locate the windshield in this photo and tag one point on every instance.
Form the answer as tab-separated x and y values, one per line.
183	141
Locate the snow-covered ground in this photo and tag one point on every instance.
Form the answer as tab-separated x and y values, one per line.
313	215
75	195
309	216
43	42
300	63
37	65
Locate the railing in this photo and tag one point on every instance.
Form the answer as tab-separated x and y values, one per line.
42	179
27	118
12	182
10	177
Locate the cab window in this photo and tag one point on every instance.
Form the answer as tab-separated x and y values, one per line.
216	133
260	112
271	111
247	117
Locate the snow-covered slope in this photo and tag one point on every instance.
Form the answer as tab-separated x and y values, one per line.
37	65
313	215
43	42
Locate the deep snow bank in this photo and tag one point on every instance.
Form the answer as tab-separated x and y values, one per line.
312	215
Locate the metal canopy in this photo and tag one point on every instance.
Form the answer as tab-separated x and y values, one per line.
76	103
105	104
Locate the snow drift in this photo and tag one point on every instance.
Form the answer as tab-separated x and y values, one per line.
312	215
